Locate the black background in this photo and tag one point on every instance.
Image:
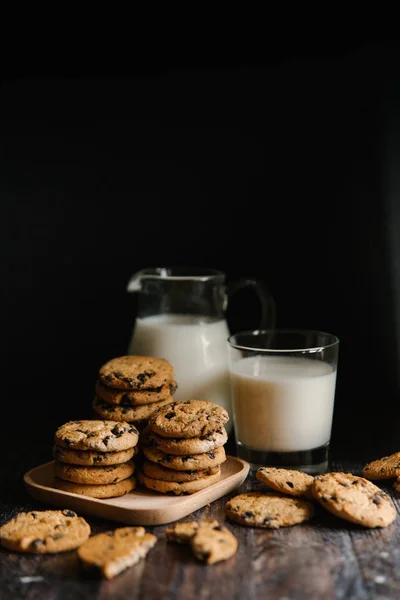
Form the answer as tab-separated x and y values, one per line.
277	165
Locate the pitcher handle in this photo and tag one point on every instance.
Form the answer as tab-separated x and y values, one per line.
268	306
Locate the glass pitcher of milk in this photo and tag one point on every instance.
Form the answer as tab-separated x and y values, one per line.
181	317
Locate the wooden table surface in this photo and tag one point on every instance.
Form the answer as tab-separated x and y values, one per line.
326	558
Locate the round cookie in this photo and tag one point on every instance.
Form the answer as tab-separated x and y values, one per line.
136	372
189	462
196	445
92	458
268	510
383	468
43	531
115	412
354	499
188	419
174	487
114	551
156	471
286	481
107	490
134	397
94	475
103	436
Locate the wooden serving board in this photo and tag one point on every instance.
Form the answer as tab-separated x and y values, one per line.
141	506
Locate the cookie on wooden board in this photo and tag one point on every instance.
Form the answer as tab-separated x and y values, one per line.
44	531
190	462
195	445
106	490
99	435
94	475
268	510
136	372
130	414
135	397
179	489
157	471
286	481
188	419
354	499
90	458
114	551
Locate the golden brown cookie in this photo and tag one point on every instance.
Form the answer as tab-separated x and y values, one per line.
213	544
136	372
43	531
354	499
188	419
157	471
386	467
94	475
107	490
115	551
189	462
135	397
286	481
182	533
268	510
102	436
196	445
130	414
91	457
173	487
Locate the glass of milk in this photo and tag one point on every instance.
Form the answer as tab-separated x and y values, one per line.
283	391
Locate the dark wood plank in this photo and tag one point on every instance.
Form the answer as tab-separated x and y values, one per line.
324	559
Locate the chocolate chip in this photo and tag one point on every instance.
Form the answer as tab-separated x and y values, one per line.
125	410
107	439
169	415
132	429
168	458
211	454
115	480
354	482
90	435
97	459
69	513
117	431
125	401
290	484
248	514
217	528
33	515
266	521
57	536
35	544
186	458
68	442
377	499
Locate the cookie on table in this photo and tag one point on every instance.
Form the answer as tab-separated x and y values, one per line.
136	372
386	467
286	481
188	419
268	510
44	531
94	475
91	457
182	533
106	490
213	544
135	397
116	412
188	462
157	471
114	551
354	499
177	488
196	445
102	436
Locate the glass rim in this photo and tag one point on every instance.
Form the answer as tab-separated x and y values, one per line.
188	273
258	332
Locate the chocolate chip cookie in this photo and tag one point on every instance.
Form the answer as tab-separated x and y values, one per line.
196	445
43	531
157	471
189	462
102	436
130	414
135	397
92	458
213	544
136	373
113	551
182	533
386	467
94	475
188	419
286	481
179	489
268	510
107	490
354	499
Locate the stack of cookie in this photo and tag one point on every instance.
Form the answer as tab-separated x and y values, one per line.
94	458
131	388
183	445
